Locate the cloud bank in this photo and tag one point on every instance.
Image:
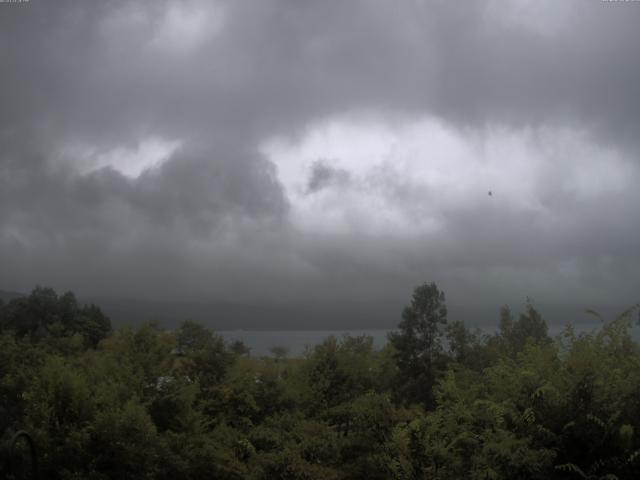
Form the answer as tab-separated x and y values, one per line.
279	150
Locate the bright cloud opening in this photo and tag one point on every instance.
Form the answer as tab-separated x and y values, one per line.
405	180
186	25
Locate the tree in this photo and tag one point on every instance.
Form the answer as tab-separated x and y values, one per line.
514	335
292	447
93	325
279	352
192	336
206	357
418	347
530	325
43	315
464	346
338	371
30	316
239	348
506	321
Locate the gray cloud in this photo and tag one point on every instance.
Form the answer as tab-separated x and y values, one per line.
323	175
88	86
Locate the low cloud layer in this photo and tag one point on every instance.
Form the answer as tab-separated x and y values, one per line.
279	151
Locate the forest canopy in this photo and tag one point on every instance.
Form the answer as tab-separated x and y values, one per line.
439	401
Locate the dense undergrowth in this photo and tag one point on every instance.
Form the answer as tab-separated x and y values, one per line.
438	402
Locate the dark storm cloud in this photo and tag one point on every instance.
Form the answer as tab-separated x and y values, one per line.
322	175
87	81
88	69
190	193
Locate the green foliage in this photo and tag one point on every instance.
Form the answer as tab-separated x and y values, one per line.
337	371
280	352
438	402
418	347
206	358
238	348
292	447
43	315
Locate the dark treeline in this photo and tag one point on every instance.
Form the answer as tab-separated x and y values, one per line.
438	402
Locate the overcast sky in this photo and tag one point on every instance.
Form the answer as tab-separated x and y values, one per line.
287	150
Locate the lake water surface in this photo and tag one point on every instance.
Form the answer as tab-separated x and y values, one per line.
296	341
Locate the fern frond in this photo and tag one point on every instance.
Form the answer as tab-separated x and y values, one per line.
597	421
634	456
571	468
529	416
593	313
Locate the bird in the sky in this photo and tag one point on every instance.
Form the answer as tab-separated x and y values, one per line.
490	193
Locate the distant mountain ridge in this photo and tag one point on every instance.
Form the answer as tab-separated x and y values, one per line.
339	315
224	315
336	315
7	295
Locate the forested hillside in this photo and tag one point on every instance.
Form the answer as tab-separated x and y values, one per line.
438	402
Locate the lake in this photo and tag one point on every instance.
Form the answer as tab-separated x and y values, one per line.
296	341
261	341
